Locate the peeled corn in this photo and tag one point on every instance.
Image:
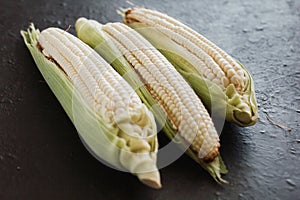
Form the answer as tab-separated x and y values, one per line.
216	77
109	116
127	50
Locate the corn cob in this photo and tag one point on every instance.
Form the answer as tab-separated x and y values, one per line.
201	62
110	118
126	50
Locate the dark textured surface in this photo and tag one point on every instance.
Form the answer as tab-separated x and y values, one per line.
41	156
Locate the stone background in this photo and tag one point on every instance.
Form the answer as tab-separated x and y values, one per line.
42	157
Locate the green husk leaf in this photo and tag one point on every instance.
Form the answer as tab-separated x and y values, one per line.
239	108
90	32
101	141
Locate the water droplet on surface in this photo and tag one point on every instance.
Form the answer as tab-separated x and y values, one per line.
254	39
64	4
278	149
263	21
259	28
10	61
246	142
291	188
290	182
264	110
293	151
258	105
218	193
270	43
241	196
263	96
12	156
292	49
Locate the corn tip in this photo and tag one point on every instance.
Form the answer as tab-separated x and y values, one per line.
151	179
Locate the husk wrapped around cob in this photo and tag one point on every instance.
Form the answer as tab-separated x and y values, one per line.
108	141
223	83
91	32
